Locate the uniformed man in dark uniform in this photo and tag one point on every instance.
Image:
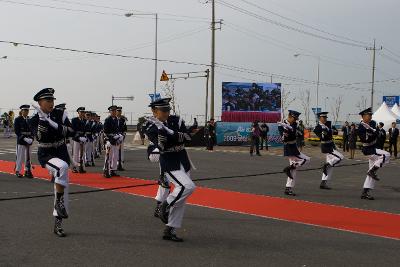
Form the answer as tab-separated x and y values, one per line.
79	139
24	143
122	130
113	140
297	159
99	136
51	127
377	157
380	142
89	132
167	135
333	157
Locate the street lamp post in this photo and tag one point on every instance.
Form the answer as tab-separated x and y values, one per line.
319	61
155	44
326	98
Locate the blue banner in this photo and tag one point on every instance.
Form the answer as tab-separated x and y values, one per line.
238	134
391	100
158	96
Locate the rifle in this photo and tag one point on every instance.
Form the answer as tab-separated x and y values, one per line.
107	161
82	147
28	159
120	157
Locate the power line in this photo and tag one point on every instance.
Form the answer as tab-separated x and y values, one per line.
101	53
302	24
289	47
148	44
391	52
262	18
284	77
127	10
387	57
97	12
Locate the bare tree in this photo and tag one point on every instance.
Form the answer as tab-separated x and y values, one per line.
287	99
335	109
169	91
305	98
362	104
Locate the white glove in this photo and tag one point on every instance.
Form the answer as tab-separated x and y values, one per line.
116	137
82	139
52	123
108	145
169	131
121	138
155	156
28	140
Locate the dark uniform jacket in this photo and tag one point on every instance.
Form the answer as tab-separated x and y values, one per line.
289	140
123	128
380	142
393	135
90	130
52	141
171	147
79	127
22	130
325	134
111	129
368	137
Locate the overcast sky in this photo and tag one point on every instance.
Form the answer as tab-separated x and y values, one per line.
87	80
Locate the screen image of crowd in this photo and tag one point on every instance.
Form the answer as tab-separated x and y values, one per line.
259	97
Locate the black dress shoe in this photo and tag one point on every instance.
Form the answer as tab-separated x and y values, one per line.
58	229
372	173
74	170
288	171
60	208
365	195
324	185
28	174
157	210
114	174
93	164
59	232
18	175
120	169
106	174
87	165
169	234
289	192
82	170
164	212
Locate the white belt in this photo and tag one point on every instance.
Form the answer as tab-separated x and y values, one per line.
52	145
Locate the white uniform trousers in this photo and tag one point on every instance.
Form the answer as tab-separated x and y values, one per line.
22	157
122	145
297	162
332	159
89	151
59	170
112	159
183	188
379	159
77	152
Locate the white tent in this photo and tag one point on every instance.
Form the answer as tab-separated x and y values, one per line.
385	115
396	109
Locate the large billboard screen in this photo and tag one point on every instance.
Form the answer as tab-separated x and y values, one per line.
262	97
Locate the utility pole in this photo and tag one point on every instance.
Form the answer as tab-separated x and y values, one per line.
212	58
373	72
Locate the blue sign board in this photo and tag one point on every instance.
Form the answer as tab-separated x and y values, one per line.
158	96
391	100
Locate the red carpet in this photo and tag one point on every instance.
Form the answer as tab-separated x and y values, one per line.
374	223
